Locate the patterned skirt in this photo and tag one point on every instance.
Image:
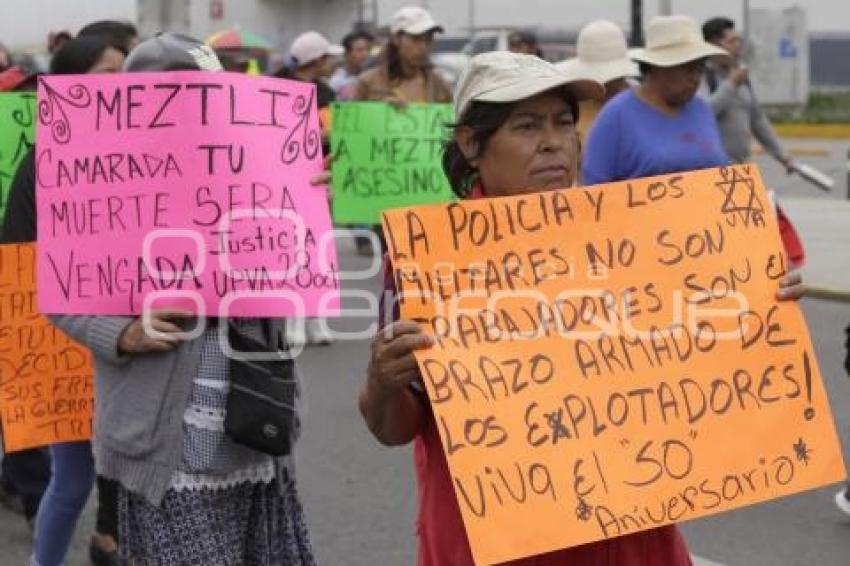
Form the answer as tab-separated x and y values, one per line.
250	524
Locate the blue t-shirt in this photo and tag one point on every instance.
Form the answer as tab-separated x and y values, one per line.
631	139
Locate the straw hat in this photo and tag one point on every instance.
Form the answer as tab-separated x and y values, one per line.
602	53
502	76
674	40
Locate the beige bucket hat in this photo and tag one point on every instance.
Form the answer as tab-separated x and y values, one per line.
502	76
674	40
602	53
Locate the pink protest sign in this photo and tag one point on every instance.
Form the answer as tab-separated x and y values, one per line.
182	189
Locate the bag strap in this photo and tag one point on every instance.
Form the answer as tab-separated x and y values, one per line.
266	328
282	343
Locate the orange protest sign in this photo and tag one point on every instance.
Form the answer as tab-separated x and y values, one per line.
612	359
46	391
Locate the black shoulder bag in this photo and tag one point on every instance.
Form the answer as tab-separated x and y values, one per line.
260	410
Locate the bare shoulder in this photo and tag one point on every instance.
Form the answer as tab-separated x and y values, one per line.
371	77
442	90
372	85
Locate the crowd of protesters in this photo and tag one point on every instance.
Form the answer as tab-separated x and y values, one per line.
172	487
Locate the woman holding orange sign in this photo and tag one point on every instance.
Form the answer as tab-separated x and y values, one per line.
514	134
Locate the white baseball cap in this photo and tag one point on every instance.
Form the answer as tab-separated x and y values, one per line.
502	76
310	46
414	20
674	40
602	53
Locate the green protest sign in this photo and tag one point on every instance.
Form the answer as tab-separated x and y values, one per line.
387	158
17	132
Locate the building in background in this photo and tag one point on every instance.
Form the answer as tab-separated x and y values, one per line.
24	24
778	56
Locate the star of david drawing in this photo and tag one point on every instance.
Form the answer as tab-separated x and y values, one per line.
739	191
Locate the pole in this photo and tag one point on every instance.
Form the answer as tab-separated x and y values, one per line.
848	174
828	294
637	23
745	28
471	18
164	15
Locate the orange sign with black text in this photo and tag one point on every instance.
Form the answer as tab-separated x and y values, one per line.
46	379
612	359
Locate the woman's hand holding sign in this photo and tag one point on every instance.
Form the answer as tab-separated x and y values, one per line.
391	408
157	331
791	287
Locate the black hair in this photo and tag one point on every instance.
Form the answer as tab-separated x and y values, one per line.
485	119
523	36
644	69
119	35
392	57
59	38
78	55
714	29
351	37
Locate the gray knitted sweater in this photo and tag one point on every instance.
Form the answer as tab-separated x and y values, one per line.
139	405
